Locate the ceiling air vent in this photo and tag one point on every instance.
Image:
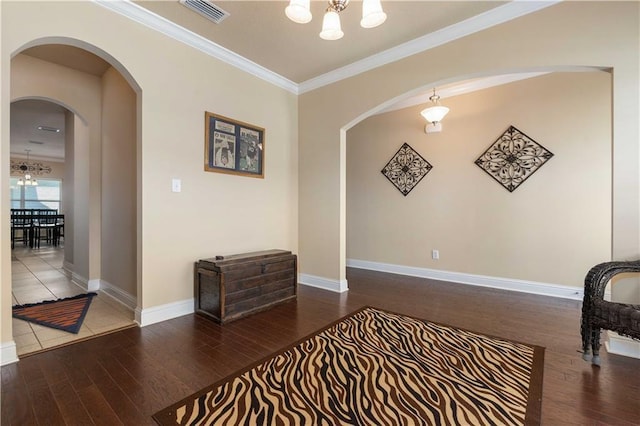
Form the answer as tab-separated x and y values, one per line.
206	9
49	129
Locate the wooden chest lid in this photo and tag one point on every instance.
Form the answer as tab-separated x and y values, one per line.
234	259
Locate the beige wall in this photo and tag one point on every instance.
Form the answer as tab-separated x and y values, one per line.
6	338
68	187
598	34
214	213
219	214
476	224
119	233
85	247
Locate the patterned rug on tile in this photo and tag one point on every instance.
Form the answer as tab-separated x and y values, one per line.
63	314
377	367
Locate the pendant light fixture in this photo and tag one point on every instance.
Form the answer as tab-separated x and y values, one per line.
298	11
372	16
26	180
331	29
435	113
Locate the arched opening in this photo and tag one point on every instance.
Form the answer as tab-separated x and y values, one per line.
398	234
98	102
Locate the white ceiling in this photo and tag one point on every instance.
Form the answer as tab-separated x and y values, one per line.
259	38
26	117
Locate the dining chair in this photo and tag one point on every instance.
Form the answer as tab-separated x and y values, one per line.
47	221
21	221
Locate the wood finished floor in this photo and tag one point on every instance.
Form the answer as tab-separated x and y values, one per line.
125	377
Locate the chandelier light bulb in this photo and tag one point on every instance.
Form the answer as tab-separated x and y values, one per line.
372	14
26	180
298	11
331	29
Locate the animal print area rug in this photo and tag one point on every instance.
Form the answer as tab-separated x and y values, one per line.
377	368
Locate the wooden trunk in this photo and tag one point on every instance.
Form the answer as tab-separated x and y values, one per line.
231	287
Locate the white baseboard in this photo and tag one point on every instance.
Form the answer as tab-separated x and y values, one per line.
107	288
166	312
555	290
68	267
8	353
83	282
93	285
621	345
143	317
324	283
87	285
79	280
119	295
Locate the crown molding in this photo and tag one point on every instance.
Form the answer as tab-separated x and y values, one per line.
156	22
496	16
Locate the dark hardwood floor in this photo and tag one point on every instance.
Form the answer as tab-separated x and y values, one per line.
125	377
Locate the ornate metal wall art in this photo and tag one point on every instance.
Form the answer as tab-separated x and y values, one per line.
22	167
406	169
513	158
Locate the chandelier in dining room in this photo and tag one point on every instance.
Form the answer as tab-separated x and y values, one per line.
28	170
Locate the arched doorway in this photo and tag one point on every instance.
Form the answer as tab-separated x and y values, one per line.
100	164
396	234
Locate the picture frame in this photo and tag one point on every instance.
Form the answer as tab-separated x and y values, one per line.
233	147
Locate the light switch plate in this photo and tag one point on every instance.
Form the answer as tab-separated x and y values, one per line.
176	185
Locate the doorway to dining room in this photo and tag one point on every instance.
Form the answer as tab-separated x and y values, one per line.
91	109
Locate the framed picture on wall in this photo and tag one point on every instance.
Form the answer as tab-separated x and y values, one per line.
233	147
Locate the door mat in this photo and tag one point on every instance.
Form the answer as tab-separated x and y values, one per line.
63	314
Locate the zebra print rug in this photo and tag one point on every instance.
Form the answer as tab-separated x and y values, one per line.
375	367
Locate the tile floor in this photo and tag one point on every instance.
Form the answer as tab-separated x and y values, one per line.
37	275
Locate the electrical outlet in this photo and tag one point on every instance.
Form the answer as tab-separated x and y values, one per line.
435	254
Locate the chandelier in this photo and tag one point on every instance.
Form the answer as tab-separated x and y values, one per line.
435	113
25	168
372	16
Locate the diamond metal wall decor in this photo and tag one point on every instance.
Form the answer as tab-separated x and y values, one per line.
513	158
406	169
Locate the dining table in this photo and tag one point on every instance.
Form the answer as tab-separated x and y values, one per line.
33	224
